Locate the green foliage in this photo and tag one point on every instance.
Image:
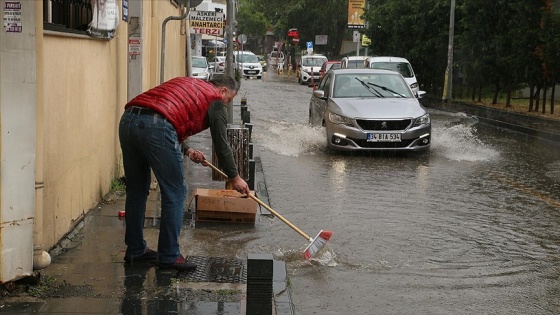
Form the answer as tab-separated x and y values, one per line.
225	292
310	17
118	185
503	44
251	22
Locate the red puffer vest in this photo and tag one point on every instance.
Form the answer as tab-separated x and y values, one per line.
183	101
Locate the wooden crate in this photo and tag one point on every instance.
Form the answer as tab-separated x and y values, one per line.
229	206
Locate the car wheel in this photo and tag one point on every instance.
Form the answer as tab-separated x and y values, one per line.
259	77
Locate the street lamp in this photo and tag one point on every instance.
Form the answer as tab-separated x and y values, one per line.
448	84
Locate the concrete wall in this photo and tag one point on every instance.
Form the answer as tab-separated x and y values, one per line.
17	143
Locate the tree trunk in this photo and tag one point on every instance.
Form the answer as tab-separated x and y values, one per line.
531	91
537	98
473	95
544	99
552	99
496	92
508	98
480	93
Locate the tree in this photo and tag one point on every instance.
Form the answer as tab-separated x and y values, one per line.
413	29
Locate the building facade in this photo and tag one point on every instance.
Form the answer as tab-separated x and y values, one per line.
67	68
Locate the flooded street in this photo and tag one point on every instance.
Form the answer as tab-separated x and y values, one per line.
473	227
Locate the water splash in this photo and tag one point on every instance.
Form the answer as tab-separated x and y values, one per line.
460	143
326	257
292	139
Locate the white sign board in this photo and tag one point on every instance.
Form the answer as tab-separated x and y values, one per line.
12	17
321	39
355	36
206	22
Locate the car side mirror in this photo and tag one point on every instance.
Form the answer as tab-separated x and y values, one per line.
420	94
319	94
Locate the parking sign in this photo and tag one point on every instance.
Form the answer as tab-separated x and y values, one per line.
309	45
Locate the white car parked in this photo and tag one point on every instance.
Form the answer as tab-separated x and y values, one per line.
310	67
355	62
201	68
248	64
398	64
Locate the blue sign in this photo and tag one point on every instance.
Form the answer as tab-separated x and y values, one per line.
125	10
309	44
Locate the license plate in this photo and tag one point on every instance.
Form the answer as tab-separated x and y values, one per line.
384	137
251	72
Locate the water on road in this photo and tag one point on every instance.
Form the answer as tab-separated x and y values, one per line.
473	227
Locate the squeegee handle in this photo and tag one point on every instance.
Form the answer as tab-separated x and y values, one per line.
276	214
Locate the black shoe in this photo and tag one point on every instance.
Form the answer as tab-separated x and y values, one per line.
180	264
148	256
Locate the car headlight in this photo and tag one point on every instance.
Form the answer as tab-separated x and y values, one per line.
306	70
340	120
414	85
423	120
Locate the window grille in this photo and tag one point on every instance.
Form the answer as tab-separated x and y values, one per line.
71	16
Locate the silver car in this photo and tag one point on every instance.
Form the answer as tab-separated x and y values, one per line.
369	109
219	64
200	68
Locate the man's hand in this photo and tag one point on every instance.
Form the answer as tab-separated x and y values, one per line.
240	185
195	155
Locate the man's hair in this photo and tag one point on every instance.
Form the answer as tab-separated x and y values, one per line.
225	81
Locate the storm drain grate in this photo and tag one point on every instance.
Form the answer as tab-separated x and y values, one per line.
216	269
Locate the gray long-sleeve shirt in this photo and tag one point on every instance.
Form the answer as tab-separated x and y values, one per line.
217	121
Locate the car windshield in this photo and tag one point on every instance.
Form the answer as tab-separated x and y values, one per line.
403	68
313	62
246	58
199	62
384	85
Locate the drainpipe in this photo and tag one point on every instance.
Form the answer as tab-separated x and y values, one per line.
161	78
41	258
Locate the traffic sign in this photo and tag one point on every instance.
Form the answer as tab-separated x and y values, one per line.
242	38
366	41
309	45
295	40
293	32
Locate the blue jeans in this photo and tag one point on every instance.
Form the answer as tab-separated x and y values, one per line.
149	141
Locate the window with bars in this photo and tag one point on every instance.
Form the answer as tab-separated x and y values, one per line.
72	16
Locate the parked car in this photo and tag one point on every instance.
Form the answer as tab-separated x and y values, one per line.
398	64
309	67
219	64
353	62
247	64
275	58
200	68
369	109
328	65
262	60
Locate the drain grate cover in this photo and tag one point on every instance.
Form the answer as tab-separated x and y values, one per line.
216	269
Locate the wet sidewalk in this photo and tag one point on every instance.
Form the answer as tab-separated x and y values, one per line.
88	274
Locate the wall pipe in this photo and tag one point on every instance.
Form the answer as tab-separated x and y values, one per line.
41	259
182	17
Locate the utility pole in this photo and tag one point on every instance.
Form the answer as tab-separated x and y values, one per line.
231	24
189	48
448	84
